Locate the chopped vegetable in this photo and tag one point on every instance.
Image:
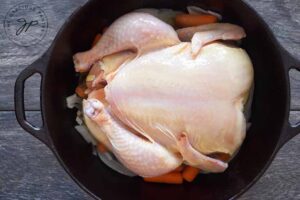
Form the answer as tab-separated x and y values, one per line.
79	113
74	101
224	157
90	77
79	120
80	91
95	151
79	117
102	148
85	134
198	10
97	94
172	178
109	160
221	156
179	169
95	72
108	155
190	173
96	39
188	20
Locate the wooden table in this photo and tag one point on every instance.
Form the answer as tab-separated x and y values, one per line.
28	170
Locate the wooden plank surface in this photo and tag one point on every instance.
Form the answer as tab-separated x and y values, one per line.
282	17
14	58
28	169
295	88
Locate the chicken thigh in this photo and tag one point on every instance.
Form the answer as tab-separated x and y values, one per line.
174	104
139	32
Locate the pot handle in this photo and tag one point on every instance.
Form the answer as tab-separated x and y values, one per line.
291	130
36	67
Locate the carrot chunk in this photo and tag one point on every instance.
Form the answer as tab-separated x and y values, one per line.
102	148
221	156
172	178
188	20
190	173
179	169
80	91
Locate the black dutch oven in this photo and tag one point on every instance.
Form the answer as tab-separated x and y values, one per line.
270	109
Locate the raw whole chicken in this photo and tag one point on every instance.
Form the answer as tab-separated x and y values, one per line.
171	97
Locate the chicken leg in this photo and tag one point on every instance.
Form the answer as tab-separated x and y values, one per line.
139	32
204	34
143	157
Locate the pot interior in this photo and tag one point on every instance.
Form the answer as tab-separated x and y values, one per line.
268	108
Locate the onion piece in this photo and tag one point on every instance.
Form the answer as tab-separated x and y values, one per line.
109	160
198	10
84	132
74	101
79	113
79	120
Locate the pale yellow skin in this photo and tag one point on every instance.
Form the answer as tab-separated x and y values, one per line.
185	102
140	32
176	93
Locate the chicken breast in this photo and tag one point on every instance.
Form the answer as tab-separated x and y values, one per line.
168	92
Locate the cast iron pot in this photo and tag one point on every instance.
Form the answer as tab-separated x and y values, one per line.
270	110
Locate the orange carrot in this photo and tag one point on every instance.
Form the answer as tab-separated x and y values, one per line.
80	91
220	156
102	148
97	38
179	169
224	157
172	177
190	173
187	20
97	94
